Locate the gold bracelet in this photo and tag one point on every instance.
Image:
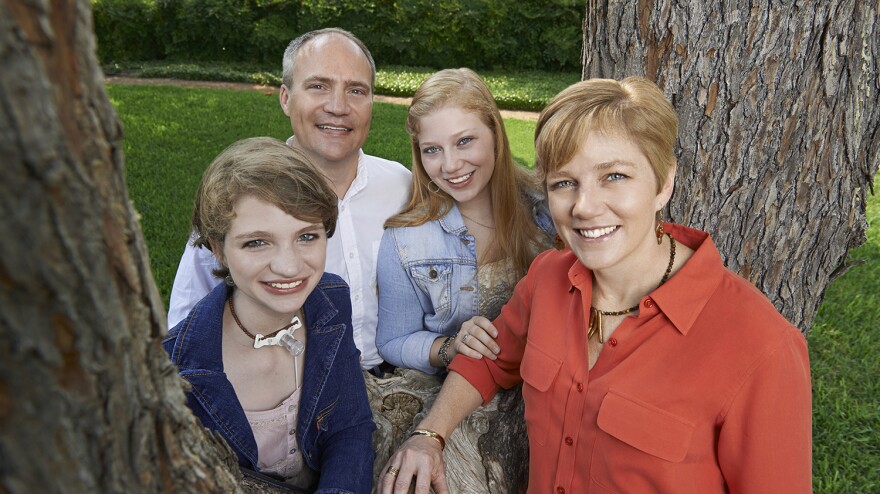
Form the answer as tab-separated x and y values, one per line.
426	432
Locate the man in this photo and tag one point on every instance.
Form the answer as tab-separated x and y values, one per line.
327	92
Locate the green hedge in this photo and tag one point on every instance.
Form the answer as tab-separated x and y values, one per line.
482	34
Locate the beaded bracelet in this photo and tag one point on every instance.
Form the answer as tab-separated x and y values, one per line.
444	357
426	432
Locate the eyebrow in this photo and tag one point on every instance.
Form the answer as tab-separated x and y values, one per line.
263	234
330	81
457	135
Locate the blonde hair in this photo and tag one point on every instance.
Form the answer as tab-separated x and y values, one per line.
270	170
634	107
515	233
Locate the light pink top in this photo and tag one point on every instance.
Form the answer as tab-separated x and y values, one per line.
277	447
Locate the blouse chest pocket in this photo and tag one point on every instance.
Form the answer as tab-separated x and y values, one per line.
538	371
435	280
645	427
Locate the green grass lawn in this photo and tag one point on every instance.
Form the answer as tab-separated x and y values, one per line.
172	134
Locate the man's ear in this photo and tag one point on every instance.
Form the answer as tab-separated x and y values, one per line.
284	99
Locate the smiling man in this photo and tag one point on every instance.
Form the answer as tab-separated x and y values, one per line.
327	92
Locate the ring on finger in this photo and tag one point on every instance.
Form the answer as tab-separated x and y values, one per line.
465	337
393	471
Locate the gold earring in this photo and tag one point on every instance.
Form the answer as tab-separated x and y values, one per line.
658	230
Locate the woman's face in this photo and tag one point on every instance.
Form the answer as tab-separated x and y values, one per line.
458	153
604	203
275	259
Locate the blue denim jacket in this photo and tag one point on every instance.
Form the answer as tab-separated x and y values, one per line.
427	279
335	425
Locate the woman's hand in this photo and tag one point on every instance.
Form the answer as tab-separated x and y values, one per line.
476	339
419	457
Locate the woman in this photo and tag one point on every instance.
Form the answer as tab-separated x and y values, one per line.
646	365
291	402
469	233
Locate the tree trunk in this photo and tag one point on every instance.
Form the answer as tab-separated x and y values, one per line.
778	138
89	401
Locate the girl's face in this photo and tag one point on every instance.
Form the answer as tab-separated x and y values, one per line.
604	203
458	153
275	259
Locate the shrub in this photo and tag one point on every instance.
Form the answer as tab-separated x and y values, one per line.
126	30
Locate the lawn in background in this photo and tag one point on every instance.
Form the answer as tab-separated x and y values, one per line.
172	134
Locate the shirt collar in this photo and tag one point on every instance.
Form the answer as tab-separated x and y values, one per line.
452	222
360	180
684	296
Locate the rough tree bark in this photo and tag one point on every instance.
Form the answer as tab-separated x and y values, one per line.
778	142
88	399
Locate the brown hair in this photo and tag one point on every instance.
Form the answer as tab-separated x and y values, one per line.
634	107
516	231
270	170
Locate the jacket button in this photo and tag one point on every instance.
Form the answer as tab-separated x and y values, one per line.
465	241
649	303
432	273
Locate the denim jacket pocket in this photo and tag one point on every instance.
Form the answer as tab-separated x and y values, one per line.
435	280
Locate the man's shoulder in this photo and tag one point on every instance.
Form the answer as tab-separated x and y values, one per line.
386	167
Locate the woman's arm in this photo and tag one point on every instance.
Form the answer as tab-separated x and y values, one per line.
400	334
765	443
420	458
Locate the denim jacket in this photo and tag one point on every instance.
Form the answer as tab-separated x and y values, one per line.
335	424
427	280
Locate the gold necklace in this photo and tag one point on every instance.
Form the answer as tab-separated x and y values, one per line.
475	221
596	314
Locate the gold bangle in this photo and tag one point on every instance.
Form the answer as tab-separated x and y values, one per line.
426	432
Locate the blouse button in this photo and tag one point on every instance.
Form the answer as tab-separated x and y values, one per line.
292	451
432	273
649	303
291	408
292	432
580	387
560	490
612	341
569	441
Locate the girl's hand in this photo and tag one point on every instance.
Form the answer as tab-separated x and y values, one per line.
476	339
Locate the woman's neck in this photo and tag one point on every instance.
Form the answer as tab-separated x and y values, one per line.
624	285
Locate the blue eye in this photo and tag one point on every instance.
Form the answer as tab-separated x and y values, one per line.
465	140
561	184
252	244
615	177
430	150
309	237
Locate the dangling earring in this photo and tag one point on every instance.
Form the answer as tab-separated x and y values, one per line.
228	280
658	230
558	243
435	190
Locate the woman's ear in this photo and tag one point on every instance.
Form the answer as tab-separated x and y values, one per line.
217	250
667	188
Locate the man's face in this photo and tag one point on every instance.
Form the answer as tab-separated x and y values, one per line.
330	100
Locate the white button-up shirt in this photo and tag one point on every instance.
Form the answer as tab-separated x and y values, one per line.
379	191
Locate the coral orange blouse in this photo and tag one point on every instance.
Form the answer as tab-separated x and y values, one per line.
706	390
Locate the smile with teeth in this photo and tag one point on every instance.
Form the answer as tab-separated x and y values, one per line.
285	286
458	180
333	127
597	232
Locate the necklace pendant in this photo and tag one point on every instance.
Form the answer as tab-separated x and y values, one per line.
260	341
596	325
